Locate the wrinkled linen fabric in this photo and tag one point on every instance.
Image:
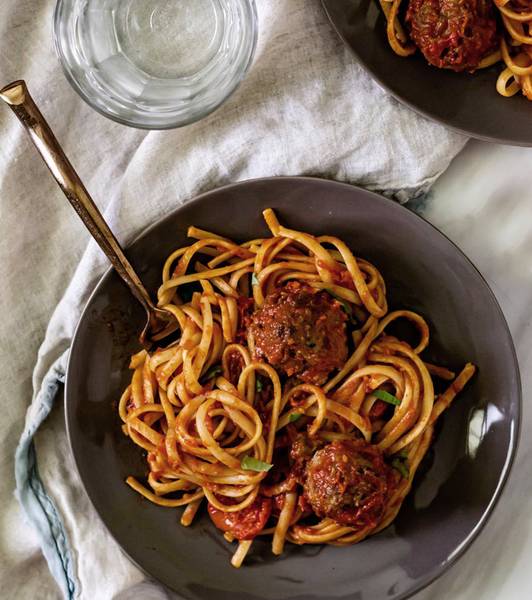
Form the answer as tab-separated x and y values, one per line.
305	108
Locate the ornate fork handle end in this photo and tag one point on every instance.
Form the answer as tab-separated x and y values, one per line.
14	93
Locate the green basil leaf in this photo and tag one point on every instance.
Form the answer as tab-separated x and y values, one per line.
258	385
294	417
249	463
254	280
386	397
212	372
401	466
345	305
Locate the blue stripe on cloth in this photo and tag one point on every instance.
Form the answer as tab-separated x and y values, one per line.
36	504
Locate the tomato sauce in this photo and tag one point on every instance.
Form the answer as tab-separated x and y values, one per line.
235	366
377	410
245	311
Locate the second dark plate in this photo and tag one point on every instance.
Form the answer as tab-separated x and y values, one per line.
466	103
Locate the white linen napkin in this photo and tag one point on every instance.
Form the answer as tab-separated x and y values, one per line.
305	107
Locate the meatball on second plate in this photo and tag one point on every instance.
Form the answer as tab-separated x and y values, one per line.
453	34
300	331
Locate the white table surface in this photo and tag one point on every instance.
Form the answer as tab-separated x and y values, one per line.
484	203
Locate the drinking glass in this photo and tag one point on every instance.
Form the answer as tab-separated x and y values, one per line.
155	64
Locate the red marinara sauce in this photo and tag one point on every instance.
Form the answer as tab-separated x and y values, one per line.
245	311
243	524
453	34
301	331
348	481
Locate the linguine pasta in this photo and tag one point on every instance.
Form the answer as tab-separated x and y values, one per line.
220	425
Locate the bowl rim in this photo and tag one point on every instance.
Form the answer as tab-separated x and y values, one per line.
417	109
515	418
176	124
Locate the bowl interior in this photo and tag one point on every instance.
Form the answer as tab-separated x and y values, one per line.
460	480
468	103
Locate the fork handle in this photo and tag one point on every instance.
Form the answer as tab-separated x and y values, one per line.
17	96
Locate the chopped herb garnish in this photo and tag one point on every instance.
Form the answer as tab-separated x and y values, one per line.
386	397
258	385
401	466
345	305
212	372
294	417
249	463
254	280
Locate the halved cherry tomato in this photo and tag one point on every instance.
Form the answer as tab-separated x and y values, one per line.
243	524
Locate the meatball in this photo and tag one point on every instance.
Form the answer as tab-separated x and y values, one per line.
349	482
453	34
300	331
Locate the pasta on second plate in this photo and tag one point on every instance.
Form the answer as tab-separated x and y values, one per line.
466	36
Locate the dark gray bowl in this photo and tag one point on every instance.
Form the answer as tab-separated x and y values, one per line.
467	103
452	496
